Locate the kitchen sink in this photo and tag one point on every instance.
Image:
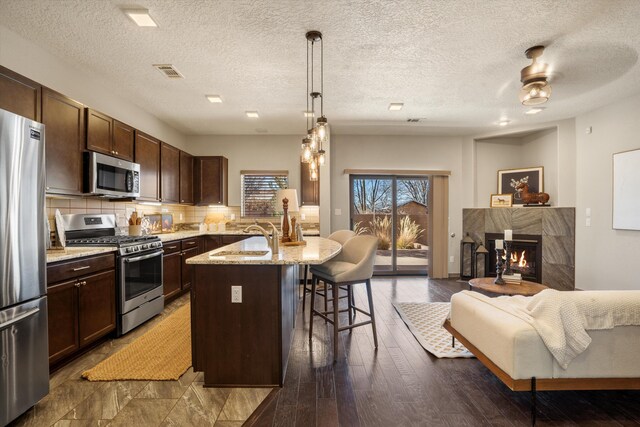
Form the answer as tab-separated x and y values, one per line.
240	253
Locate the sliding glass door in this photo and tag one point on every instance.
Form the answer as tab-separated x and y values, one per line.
395	210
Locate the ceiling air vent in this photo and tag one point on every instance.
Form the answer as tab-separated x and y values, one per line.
413	120
169	71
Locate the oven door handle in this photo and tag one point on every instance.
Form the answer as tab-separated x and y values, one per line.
143	257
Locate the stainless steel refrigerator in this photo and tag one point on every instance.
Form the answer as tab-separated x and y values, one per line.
24	348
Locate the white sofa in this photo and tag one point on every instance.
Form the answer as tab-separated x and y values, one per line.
512	349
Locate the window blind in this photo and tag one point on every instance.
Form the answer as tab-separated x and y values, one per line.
259	192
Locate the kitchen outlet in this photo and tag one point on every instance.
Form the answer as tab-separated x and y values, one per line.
303	217
236	294
587	211
233	217
338	211
587	222
181	217
451	259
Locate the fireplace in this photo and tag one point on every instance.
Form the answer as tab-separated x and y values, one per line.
526	255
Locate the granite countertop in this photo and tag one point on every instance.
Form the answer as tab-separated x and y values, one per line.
75	252
179	235
316	251
83	251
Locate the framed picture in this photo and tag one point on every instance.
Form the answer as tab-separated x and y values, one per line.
155	223
502	200
510	179
167	223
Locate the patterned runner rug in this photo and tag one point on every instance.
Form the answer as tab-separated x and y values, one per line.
162	353
425	320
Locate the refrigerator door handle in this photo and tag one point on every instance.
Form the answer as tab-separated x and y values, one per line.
18	318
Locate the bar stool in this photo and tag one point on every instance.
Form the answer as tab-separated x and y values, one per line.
352	266
340	236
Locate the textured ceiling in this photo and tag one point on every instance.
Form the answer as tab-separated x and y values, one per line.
455	64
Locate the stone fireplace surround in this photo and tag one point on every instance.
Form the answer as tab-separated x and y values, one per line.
555	225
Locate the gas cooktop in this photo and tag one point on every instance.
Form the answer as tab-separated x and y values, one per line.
116	241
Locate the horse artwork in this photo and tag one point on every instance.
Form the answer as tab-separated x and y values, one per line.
529	198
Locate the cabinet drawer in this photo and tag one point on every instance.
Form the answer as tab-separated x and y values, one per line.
189	243
81	267
171	247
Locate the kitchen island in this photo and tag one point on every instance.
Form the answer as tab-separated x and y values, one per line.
246	343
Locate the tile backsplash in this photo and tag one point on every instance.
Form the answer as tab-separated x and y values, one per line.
181	214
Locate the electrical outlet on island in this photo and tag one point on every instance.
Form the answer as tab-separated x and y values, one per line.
236	294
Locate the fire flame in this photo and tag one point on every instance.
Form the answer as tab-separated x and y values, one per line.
522	262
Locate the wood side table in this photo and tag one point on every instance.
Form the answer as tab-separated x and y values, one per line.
525	288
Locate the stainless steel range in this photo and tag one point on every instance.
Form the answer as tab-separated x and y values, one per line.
139	263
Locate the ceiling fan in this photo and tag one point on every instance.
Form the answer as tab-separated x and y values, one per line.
535	85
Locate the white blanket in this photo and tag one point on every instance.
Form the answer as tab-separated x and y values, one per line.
562	319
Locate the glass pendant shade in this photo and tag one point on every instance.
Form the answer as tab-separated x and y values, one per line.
535	93
306	152
321	157
323	129
314	175
313	164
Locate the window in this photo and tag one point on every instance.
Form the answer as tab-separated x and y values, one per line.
259	191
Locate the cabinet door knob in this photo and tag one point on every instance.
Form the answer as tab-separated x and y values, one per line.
116	152
77	285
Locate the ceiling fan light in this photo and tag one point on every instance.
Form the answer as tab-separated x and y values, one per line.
535	93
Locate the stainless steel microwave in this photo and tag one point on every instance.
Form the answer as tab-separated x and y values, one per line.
110	177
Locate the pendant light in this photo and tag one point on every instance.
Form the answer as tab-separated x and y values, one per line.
318	134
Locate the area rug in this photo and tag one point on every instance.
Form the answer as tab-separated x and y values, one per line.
424	320
162	353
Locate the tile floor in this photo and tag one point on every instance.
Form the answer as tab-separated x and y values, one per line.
73	401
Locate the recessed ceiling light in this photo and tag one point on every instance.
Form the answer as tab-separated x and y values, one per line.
141	17
214	99
533	110
252	114
396	106
308	113
504	122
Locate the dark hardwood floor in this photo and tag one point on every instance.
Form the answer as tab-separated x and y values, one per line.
401	384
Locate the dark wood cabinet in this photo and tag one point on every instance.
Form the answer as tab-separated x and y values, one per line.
99	132
186	178
109	136
227	240
187	269
20	95
81	304
96	306
65	142
210	183
123	139
309	190
170	175
147	154
172	269
210	243
62	301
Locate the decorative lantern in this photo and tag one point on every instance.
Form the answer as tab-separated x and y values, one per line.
465	243
481	250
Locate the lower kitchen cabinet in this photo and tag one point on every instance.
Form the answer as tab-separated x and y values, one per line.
177	274
82	304
172	269
210	243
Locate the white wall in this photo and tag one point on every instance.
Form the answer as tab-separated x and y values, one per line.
398	152
541	149
493	155
263	152
35	63
605	258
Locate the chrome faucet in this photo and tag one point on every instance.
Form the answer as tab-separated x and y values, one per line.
273	240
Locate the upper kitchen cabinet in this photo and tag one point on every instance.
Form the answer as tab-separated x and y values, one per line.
65	142
109	136
170	162
20	95
210	183
186	177
99	132
147	154
123	137
309	190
